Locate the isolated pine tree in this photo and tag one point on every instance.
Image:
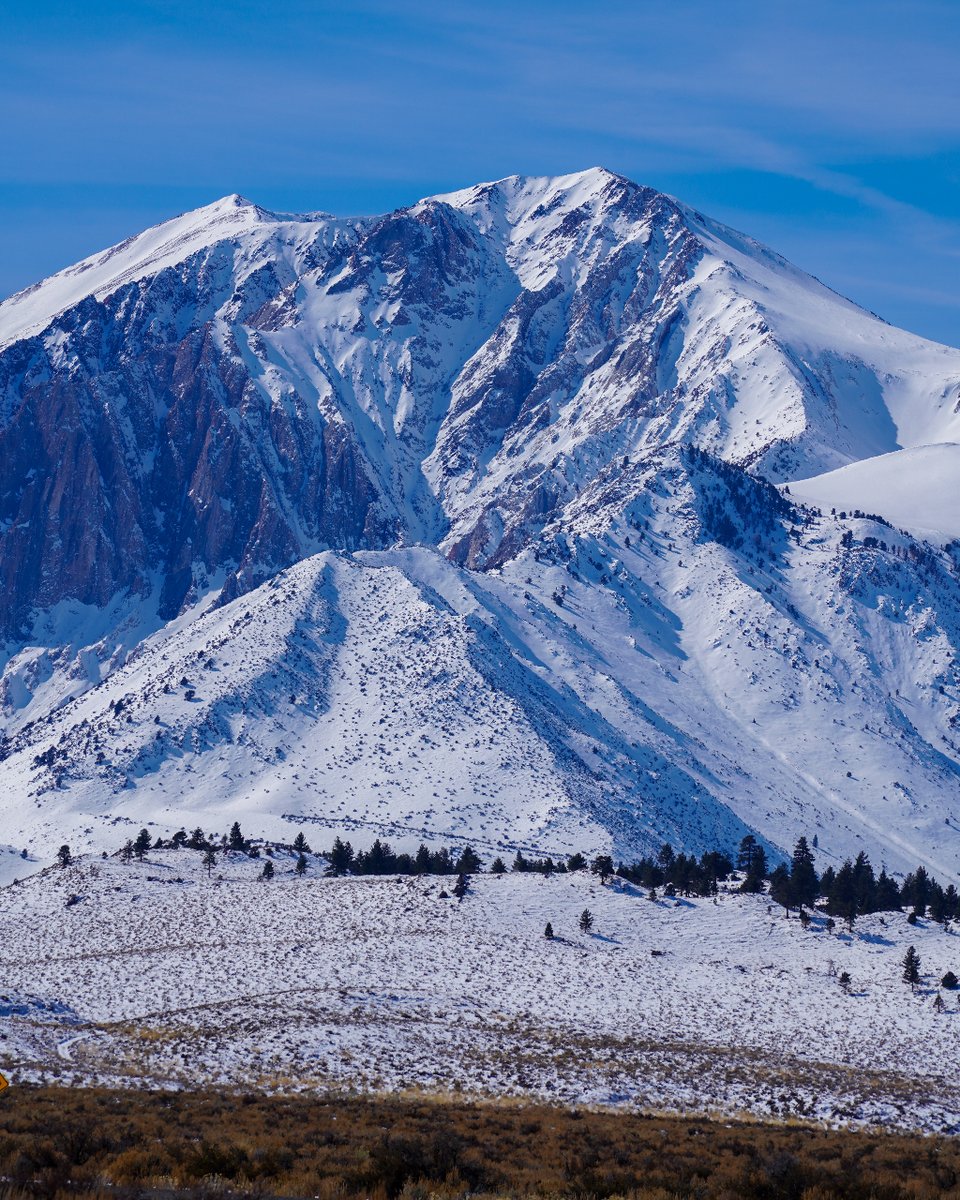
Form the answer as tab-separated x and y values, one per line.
845	982
460	888
911	967
301	866
267	872
586	921
142	844
300	844
498	867
127	852
210	859
64	857
237	840
548	932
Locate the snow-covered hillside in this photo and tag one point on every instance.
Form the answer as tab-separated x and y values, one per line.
913	489
161	974
453	523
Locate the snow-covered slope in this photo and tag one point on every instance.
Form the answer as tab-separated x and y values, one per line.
916	489
451	462
159	975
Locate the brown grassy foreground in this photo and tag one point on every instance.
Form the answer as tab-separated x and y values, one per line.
95	1143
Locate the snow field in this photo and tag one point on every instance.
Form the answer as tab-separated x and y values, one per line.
161	974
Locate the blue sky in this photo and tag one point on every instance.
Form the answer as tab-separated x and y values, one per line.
830	130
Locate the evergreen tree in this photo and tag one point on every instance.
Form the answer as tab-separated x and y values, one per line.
64	857
197	839
237	841
210	859
142	844
949	981
804	883
602	865
780	890
498	866
548	932
460	888
911	967
127	852
179	839
752	861
576	862
586	921
267	872
341	857
938	1004
300	844
301	866
468	863
520	863
845	982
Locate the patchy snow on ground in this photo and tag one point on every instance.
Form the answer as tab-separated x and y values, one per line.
164	974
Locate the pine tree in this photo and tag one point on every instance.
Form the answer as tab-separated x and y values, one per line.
752	861
341	857
804	883
938	1004
498	867
237	840
301	866
781	891
127	852
210	859
179	839
197	839
911	967
548	932
586	921
845	982
64	857
267	872
602	865
300	844
468	863
576	862
142	844
460	889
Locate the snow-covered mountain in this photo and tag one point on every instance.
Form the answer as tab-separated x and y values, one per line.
460	521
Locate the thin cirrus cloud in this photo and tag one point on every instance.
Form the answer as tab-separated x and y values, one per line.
814	127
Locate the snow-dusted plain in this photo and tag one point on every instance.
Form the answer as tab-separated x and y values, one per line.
164	974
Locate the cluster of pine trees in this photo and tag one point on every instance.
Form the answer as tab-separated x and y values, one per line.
380	859
855	889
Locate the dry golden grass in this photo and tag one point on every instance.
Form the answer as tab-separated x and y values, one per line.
89	1143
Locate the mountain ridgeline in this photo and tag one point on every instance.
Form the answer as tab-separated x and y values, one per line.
490	516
